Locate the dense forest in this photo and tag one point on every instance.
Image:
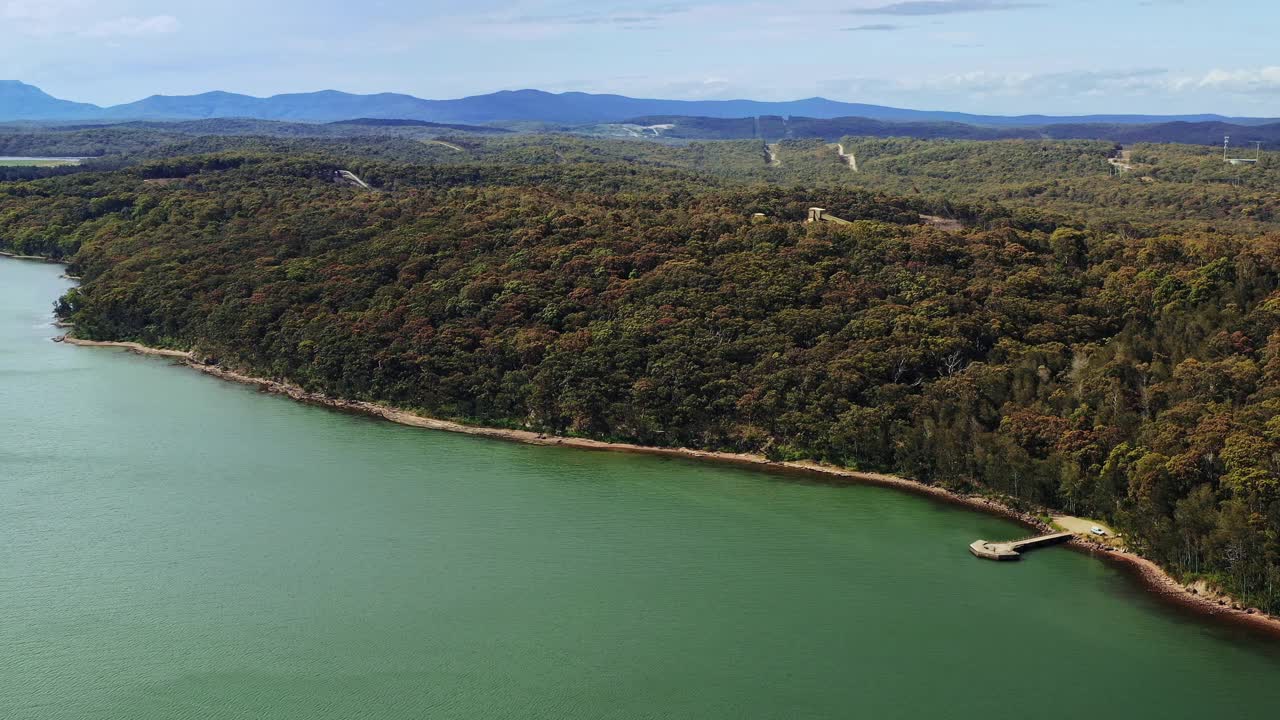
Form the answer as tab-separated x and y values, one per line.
1105	345
774	128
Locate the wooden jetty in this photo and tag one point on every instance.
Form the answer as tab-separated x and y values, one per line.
1013	550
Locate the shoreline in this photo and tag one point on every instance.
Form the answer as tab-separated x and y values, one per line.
33	258
131	346
1150	576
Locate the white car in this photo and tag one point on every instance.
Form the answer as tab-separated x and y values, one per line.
1098	531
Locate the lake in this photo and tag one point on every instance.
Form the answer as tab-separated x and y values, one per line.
174	546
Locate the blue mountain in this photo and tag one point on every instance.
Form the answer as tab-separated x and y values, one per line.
19	101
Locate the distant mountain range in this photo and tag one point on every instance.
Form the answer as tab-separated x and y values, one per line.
20	101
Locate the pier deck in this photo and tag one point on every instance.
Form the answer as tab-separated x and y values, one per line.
1013	550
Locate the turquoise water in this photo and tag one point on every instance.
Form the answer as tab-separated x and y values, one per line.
173	546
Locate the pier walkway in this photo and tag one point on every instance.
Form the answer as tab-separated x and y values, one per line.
1013	550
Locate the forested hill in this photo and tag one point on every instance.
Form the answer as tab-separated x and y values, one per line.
1109	369
773	128
1165	188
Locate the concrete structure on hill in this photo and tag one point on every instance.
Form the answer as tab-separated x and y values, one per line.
817	214
1226	142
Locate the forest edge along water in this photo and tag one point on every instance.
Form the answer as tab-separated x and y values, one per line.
1195	598
1216	606
178	546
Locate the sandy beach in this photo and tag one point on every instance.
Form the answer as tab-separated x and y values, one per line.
1197	597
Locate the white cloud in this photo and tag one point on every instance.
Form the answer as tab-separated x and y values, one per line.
942	7
1120	83
1264	80
133	27
41	17
50	18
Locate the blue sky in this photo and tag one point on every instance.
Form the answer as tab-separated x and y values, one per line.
993	56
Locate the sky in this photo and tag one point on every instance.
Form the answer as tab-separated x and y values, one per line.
983	56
